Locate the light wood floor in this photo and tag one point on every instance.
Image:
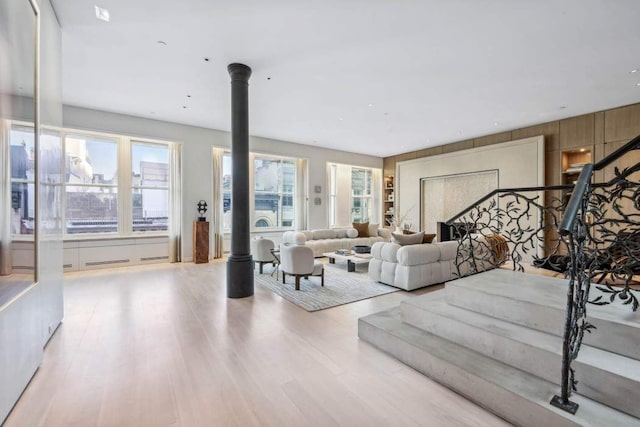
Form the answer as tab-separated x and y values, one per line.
162	345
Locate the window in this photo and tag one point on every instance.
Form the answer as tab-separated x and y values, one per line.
354	194
274	189
22	180
91	184
226	191
333	194
149	186
274	192
360	195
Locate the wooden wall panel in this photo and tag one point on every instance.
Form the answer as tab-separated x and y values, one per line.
551	132
496	138
457	146
553	167
618	125
433	151
389	166
406	156
622	123
598	146
577	132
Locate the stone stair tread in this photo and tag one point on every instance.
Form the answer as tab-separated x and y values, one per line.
610	362
532	390
542	290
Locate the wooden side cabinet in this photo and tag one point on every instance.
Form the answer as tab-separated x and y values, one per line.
200	242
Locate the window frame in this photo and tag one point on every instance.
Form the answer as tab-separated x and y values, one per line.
280	191
253	192
124	186
149	143
368	197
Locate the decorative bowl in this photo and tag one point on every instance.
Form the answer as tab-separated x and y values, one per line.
362	249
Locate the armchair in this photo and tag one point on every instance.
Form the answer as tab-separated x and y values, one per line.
261	252
298	261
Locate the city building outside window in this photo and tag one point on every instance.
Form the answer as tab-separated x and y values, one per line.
22	157
91	184
360	195
273	194
103	192
150	186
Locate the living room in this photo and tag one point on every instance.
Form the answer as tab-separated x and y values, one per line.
107	154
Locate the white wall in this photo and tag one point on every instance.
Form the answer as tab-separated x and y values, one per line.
519	163
197	159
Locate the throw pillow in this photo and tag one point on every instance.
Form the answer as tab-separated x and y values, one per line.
408	239
428	238
362	227
373	230
352	233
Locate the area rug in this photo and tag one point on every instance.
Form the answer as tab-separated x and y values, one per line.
340	287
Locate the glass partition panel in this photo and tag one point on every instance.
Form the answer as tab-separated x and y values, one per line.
18	146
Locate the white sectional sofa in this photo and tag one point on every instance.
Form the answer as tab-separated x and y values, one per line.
330	240
416	266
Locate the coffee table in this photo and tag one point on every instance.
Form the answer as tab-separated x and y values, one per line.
352	259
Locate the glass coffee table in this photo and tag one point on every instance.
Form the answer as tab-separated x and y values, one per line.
351	258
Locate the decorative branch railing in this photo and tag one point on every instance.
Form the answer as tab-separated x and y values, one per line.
591	237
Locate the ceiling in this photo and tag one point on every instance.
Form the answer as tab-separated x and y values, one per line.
380	77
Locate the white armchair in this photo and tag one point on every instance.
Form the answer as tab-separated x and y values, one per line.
261	252
298	261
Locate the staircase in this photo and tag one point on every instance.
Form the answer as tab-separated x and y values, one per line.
496	338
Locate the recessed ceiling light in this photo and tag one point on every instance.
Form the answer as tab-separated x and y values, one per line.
162	42
206	59
268	78
563	107
635	70
582	150
102	14
340	118
188	96
637	84
496	123
370	105
184	106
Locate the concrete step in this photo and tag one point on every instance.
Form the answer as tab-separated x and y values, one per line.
607	377
517	396
539	302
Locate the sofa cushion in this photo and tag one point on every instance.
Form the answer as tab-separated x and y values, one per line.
362	227
418	254
385	251
307	234
341	233
373	229
323	233
352	233
408	239
299	238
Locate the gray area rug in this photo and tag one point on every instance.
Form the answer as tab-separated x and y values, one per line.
340	287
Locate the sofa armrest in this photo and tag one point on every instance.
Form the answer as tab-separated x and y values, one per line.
418	254
385	251
385	234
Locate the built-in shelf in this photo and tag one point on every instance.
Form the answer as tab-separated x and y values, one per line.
388	199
